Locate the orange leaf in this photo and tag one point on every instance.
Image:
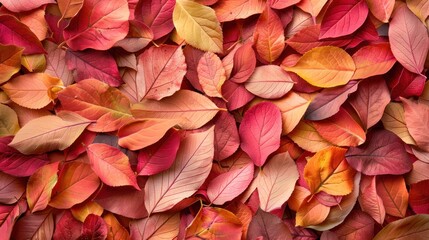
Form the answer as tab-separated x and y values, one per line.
116	230
157	226
312	7
211	74
329	171
111	165
140	134
10	61
341	129
412	227
369	199
371	60
381	9
49	133
311	212
97	101
242	9
76	183
185	176
393	192
81	211
8	121
191	108
40	185
269	81
292	108
69	8
325	67
31	90
269	35
306	136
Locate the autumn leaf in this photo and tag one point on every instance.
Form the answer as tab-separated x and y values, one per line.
11	188
243	9
211	74
40	185
157	15
382	10
416	227
393	192
9	124
329	171
69	8
292	108
10	61
373	60
162	225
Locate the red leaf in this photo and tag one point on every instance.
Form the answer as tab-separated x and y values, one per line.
370	100
160	71
267	226
111	165
226	136
244	63
236	95
269	36
419	197
404	83
156	14
40	185
328	101
8	216
371	60
16	33
17	164
260	131
94	228
11	188
160	156
98	25
358	225
393	192
94	64
34	226
67	227
343	17
382	153
408	39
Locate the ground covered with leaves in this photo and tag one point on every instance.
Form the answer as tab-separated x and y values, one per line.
214	119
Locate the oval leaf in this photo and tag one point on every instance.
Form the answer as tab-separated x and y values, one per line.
211	74
40	185
393	192
157	226
412	227
371	60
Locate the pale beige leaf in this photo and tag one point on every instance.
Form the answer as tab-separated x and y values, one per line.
292	107
8	121
394	120
211	74
307	137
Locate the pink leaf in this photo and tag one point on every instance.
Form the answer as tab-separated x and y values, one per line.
276	181
211	74
56	65
236	95
17	164
269	81
244	63
408	39
11	188
227	186
369	200
371	60
22	6
94	228
98	25
156	14
382	153
416	119
260	131
160	72
94	64
160	156
111	165
343	17
157	226
226	136
267	226
188	172
8	216
67	227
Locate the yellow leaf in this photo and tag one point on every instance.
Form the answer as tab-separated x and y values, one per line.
307	137
8	121
325	67
198	25
329	171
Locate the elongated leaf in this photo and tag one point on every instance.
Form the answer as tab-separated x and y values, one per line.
76	182
93	64
373	60
243	9
32	226
394	120
8	121
189	171
416	118
316	67
328	101
341	129
393	192
10	61
382	10
370	100
269	35
412	227
269	81
343	18
211	74
329	171
226	136
98	25
227	186
260	131
69	8
9	214
40	185
382	153
268	226
369	200
198	25
49	133
56	64
157	226
276	181
156	14
97	101
31	90
244	63
17	33
140	134
11	188
307	137
160	71
214	223
408	39
111	165
193	110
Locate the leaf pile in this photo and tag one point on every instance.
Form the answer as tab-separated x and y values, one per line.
214	119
